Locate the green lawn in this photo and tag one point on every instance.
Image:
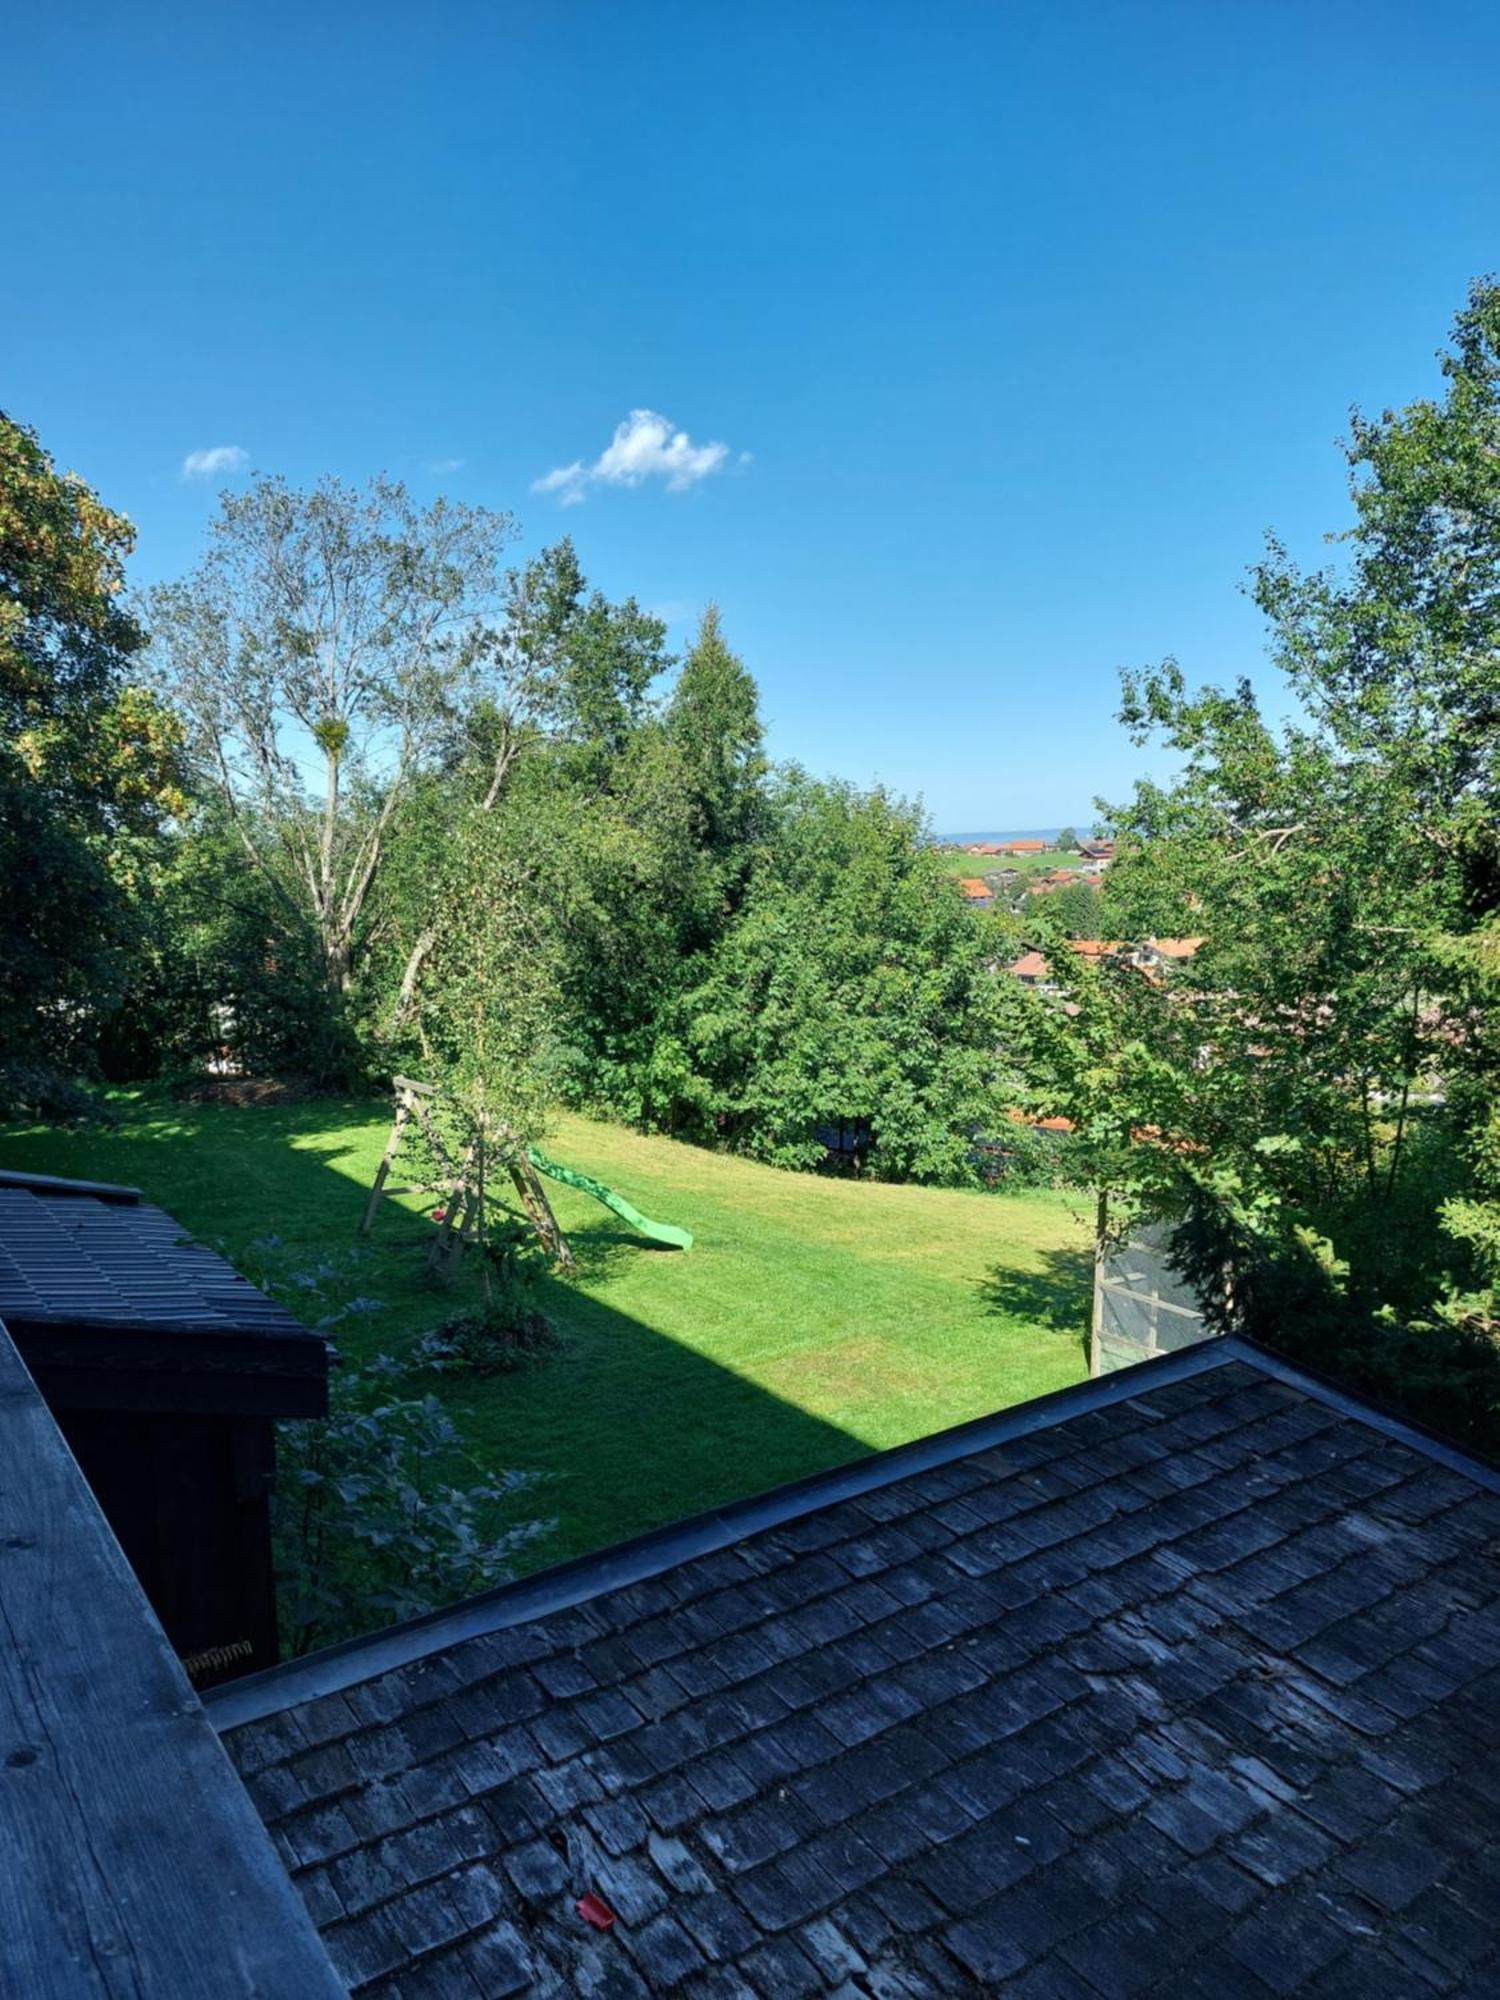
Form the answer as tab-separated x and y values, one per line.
1023	864
812	1321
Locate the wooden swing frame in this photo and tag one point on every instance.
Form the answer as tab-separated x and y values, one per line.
463	1182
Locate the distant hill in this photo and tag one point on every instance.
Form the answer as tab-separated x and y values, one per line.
1021	833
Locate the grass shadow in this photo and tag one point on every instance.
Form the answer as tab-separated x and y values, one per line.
1057	1298
631	1427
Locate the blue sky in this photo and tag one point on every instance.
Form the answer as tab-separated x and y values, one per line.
1018	324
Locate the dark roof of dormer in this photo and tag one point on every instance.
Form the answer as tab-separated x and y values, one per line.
106	1294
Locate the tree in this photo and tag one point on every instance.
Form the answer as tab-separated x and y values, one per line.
647	873
90	771
1076	906
563	671
713	720
1067	841
486	1011
853	991
1314	1098
319	653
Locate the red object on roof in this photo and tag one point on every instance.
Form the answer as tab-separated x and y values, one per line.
974	889
1024	847
594	1910
1030	965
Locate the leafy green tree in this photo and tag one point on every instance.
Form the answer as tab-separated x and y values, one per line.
1313	1096
1077	907
1067	841
713	721
485	1015
656	871
319	653
853	991
562	677
90	768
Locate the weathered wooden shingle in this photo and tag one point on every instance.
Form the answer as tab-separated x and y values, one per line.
1195	1688
84	1259
100	1289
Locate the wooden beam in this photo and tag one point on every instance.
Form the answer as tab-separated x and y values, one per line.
131	1859
387	1161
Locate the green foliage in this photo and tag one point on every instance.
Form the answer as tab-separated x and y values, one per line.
221	970
510	1328
853	990
90	770
713	722
1314	1097
484	1016
1077	908
1019	1155
371	1523
1290	1292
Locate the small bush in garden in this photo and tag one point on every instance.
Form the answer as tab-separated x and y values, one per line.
498	1338
509	1328
381	1514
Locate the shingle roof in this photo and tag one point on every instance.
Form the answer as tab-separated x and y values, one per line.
71	1256
1191	1674
99	1287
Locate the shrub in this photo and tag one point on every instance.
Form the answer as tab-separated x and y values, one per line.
381	1514
496	1340
1440	1369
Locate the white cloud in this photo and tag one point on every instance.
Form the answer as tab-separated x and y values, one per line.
216	459
644	447
441	465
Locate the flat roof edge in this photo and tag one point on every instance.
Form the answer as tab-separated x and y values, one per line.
112	1191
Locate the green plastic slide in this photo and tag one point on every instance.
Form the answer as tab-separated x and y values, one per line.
659	1232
